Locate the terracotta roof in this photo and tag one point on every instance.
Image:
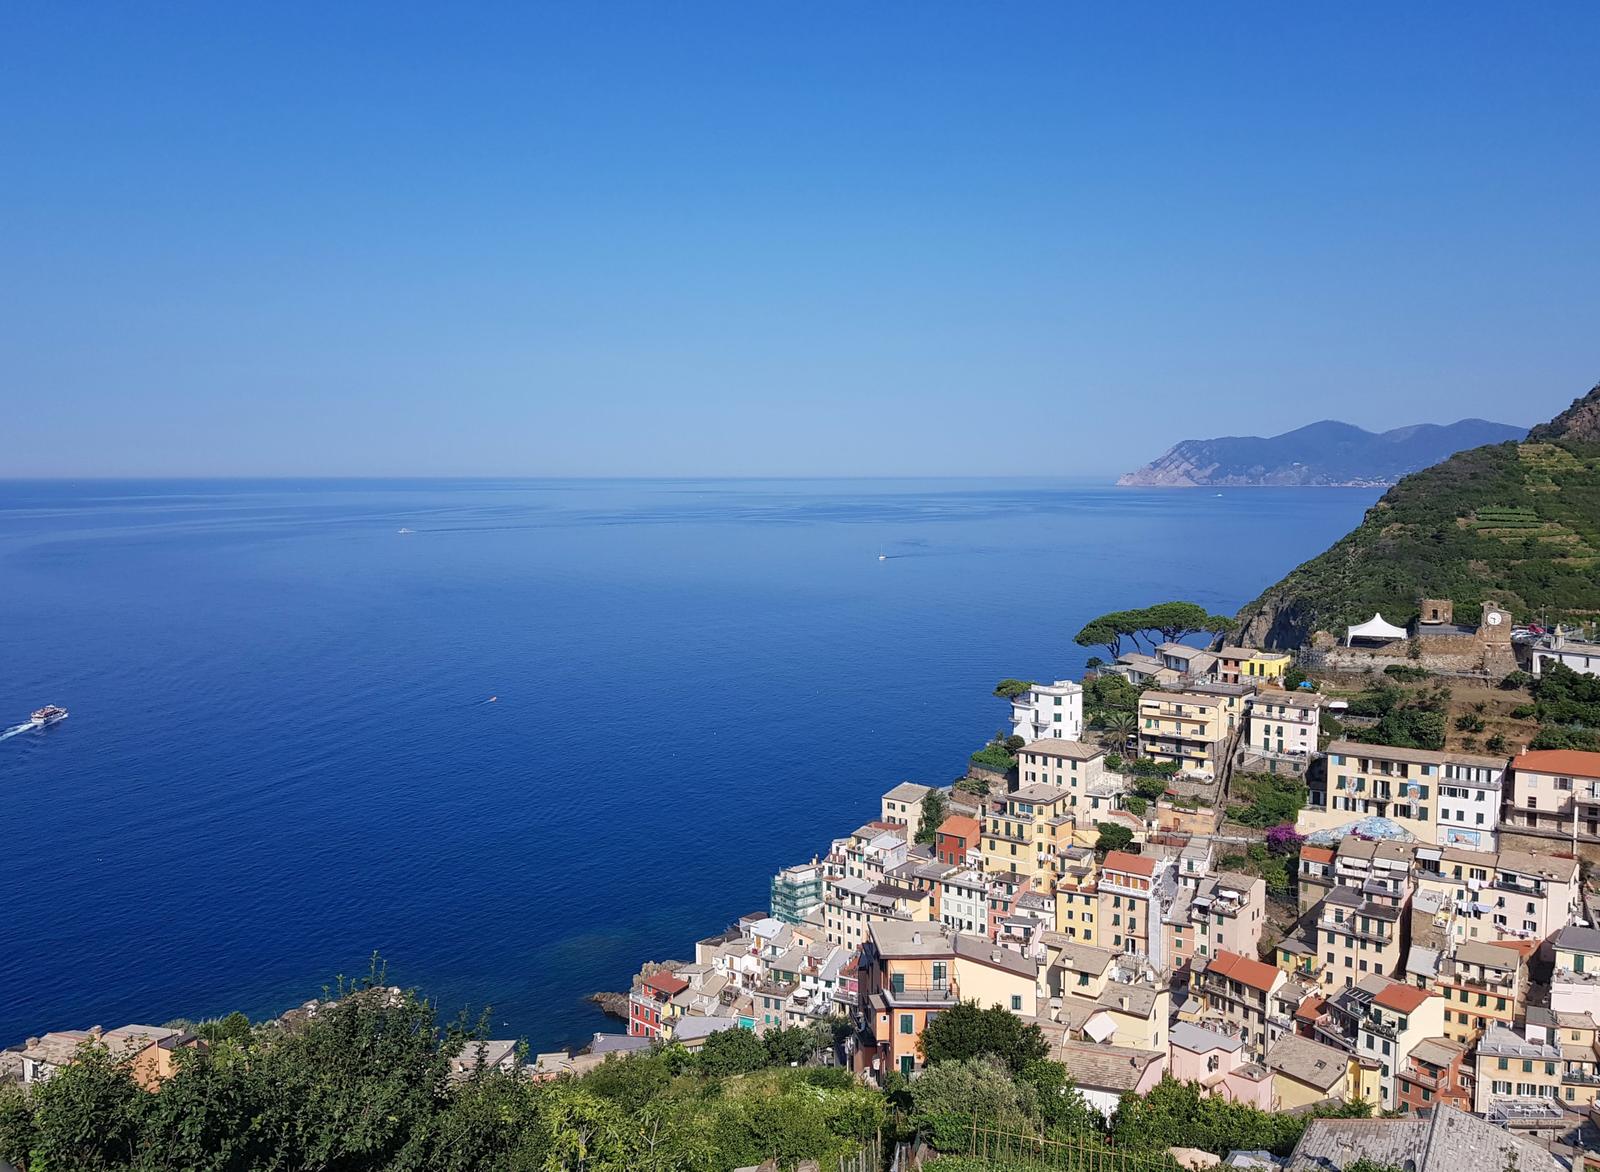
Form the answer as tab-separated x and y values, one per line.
1570	762
1311	1008
1317	854
1401	998
1123	861
664	982
1249	972
961	825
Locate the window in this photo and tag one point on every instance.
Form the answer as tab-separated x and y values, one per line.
1016	1002
907	1024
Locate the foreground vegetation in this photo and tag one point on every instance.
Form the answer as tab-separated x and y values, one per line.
365	1084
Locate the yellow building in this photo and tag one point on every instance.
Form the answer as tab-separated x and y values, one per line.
1024	837
1306	1072
1482	984
1077	892
1245	665
1358	938
1187	729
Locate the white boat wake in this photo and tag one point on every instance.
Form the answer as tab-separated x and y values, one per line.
17	728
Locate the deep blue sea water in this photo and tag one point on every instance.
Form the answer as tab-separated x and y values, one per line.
280	758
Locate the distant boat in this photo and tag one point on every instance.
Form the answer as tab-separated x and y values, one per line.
1216	494
49	714
882	557
492	699
413	530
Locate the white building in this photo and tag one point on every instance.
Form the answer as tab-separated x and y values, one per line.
1469	801
1285	723
1558	648
1049	710
964	902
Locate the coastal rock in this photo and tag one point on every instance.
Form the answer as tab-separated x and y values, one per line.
611	1004
616	1004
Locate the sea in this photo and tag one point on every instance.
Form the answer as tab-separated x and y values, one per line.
515	737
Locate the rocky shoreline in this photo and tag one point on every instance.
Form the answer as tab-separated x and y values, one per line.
614	1004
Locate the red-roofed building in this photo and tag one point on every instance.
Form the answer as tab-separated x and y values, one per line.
1556	790
1125	912
956	836
1401	998
1237	991
1316	875
1311	1011
1399	1017
650	1003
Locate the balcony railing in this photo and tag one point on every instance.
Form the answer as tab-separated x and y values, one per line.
940	994
1581	1077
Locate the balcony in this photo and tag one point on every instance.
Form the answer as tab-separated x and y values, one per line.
907	995
1587	1078
1535	891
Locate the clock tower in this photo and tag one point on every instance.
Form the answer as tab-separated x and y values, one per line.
1496	624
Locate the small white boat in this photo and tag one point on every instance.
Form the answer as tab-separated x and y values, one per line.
882	557
49	714
408	531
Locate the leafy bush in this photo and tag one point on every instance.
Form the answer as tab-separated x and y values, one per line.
1135	804
949	1096
1113	837
1406	672
1270	798
1284	840
968	1031
1010	689
995	757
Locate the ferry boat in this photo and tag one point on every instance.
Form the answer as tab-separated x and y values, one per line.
49	714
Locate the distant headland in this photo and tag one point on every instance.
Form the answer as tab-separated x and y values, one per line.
1326	454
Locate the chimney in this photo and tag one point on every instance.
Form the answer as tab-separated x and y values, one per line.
916	937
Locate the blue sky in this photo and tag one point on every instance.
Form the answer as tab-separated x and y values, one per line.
763	238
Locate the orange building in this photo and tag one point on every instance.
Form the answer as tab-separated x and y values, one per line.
956	835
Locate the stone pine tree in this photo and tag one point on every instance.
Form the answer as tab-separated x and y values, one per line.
934	811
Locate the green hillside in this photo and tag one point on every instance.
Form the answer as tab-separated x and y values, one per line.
1515	522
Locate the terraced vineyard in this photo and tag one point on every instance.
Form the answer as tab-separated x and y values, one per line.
1518	523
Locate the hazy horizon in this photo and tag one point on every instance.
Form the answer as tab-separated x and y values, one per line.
722	241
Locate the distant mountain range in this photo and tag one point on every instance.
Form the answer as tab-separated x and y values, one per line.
1516	523
1327	454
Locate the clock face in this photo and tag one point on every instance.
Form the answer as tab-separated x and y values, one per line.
1495	617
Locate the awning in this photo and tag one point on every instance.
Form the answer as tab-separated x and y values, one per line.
1100	1027
1374	628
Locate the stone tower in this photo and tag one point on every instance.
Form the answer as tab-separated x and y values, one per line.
1495	629
1436	612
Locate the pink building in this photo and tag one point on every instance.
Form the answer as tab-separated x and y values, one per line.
1220	1065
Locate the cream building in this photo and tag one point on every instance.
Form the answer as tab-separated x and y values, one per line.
1073	766
902	806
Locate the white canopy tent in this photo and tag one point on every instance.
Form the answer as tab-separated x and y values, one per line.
1374	628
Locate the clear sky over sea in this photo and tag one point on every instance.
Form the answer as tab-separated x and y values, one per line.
765	238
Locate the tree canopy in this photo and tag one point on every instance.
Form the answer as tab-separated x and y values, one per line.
1171	621
968	1031
935	808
